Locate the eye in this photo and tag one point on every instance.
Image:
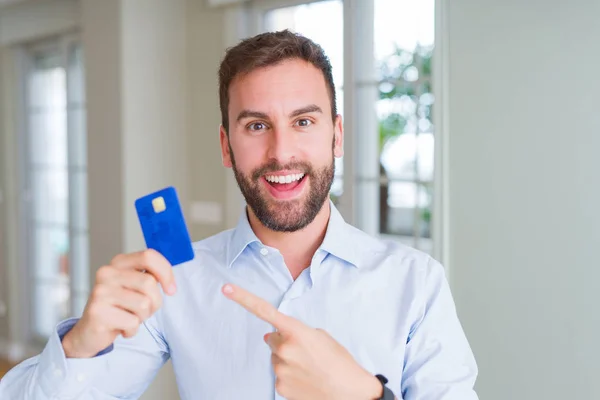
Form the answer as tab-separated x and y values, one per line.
304	122
257	126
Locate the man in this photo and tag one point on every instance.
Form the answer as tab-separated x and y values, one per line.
293	303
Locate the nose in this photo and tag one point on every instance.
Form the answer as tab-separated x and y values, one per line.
282	145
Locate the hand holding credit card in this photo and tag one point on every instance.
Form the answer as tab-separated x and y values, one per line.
163	225
126	292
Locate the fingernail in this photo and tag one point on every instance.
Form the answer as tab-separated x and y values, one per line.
227	289
266	337
171	289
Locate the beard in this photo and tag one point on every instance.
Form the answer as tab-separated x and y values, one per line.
285	215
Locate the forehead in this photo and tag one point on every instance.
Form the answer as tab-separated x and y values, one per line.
285	86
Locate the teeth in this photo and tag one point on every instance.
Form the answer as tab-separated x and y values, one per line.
284	179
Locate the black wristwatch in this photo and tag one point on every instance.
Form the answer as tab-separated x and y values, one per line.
387	392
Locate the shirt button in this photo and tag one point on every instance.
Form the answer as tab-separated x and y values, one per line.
264	251
58	372
80	378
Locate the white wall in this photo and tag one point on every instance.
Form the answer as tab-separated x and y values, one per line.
152	104
33	20
524	193
207	41
137	79
154	89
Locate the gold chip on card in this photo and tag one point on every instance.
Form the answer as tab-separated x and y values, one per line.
158	204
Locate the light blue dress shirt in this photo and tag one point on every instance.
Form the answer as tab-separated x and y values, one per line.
388	304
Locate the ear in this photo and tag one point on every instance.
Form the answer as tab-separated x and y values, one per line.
225	153
338	139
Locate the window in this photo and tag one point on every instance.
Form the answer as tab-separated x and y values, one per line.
55	183
404	39
392	151
309	19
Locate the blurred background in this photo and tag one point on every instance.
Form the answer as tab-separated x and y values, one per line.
472	133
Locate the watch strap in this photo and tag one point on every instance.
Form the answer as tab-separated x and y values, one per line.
387	392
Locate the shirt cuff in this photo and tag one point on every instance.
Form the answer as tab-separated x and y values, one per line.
68	377
64	327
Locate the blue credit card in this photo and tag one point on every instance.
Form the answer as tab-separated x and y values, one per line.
163	225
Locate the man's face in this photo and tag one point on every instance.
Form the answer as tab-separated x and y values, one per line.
282	142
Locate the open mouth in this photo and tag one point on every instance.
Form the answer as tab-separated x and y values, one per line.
285	186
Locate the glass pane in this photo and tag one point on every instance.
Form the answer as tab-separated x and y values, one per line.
48	137
403	24
50	257
49	190
404	40
399	216
425	204
409	156
50	304
310	20
408	210
339	168
336	189
46	83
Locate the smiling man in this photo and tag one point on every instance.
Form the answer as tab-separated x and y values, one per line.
293	303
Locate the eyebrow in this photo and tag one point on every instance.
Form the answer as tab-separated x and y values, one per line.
305	110
257	114
251	114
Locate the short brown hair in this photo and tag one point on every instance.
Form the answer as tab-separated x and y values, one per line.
268	49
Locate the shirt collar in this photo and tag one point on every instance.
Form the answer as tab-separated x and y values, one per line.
242	237
338	239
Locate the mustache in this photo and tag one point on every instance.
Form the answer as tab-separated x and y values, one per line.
274	166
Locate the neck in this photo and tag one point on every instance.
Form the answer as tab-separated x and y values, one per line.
297	248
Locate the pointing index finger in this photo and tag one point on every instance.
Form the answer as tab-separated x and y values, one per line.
261	308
